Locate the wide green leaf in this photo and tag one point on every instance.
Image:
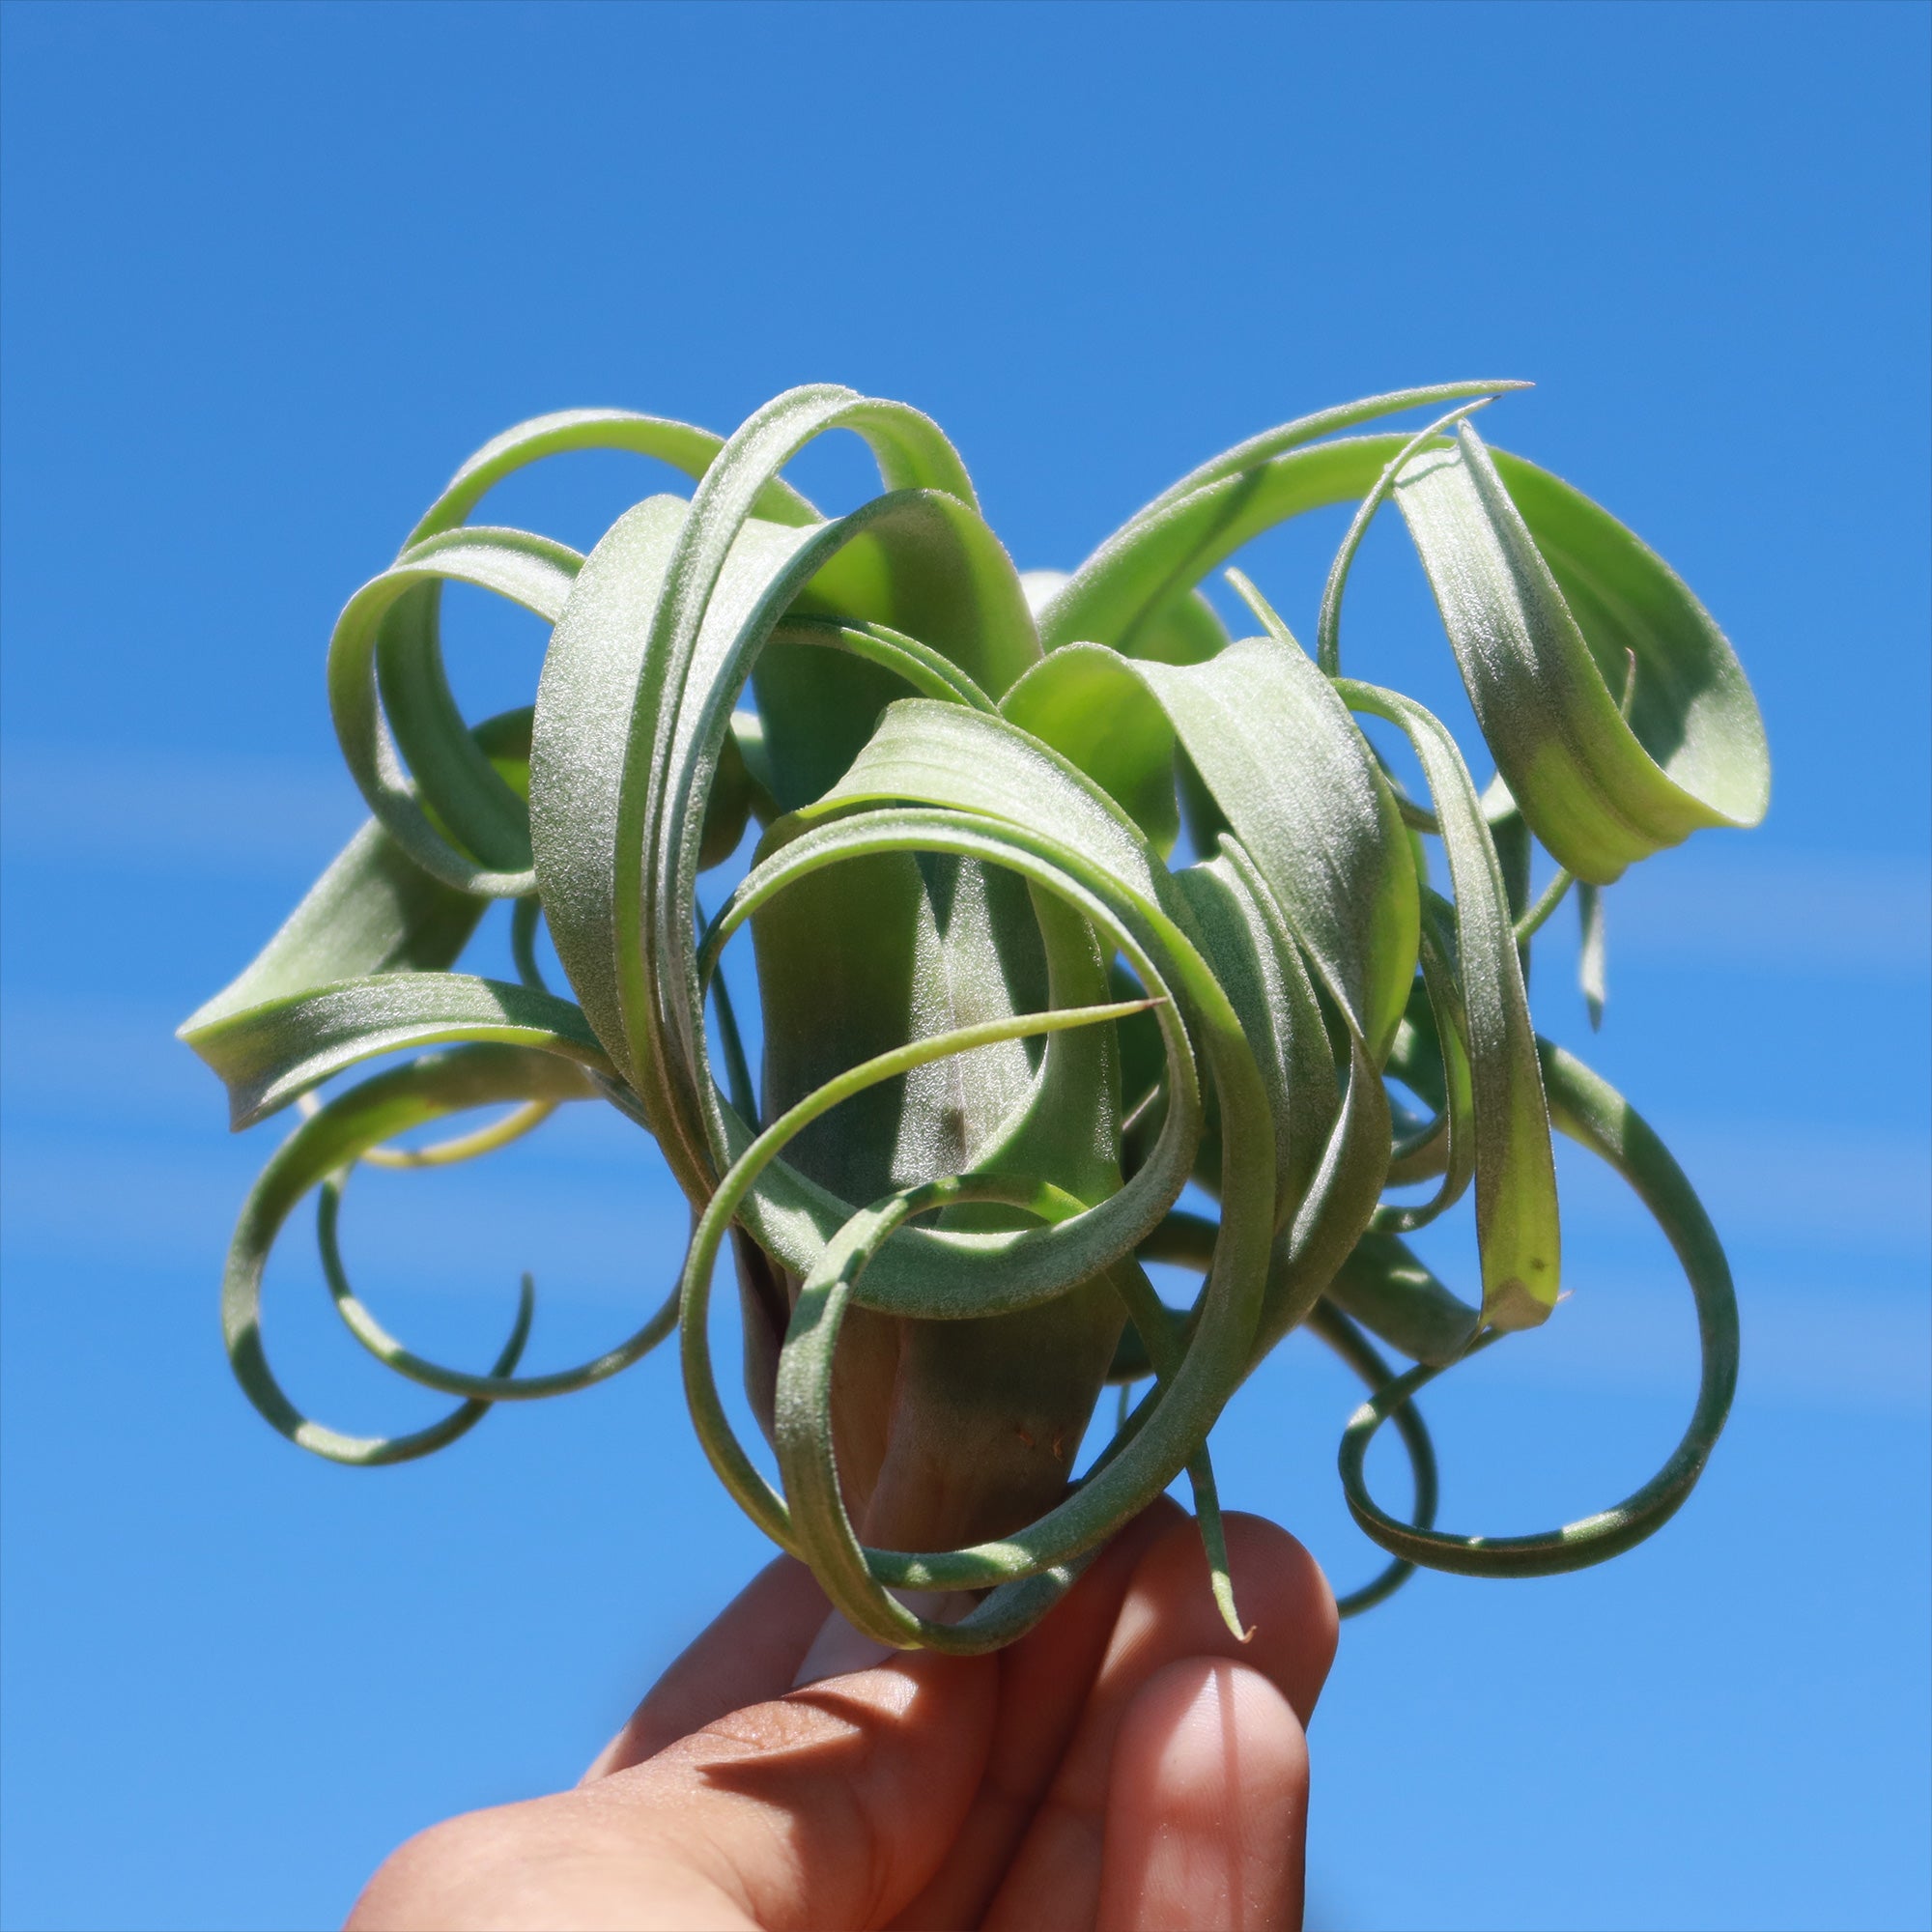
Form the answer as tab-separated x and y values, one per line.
375	910
1289	772
1543	594
267	1053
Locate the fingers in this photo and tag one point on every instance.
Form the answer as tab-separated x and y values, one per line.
751	1653
835	1805
1206	1807
1169	1613
1167	1617
1045	1680
901	1791
830	1807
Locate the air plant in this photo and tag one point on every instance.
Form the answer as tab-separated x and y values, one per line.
1003	1027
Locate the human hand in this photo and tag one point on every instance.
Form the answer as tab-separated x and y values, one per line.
1128	1765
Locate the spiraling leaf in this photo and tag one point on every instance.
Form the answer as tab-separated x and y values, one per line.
1125	595
455	786
1389	1291
680	445
375	1111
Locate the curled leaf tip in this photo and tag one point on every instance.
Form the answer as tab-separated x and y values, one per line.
1231	1616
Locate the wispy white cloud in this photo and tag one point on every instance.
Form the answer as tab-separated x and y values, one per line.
1837	915
69	1201
68	1065
104	1061
72	1202
1717	902
192	817
1838	1351
1855	1190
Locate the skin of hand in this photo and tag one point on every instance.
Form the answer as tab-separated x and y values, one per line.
1127	1766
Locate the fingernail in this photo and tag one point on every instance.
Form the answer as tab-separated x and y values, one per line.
838	1649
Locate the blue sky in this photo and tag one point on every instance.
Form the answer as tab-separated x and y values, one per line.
270	274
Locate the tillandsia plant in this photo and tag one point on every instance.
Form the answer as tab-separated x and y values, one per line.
1004	1026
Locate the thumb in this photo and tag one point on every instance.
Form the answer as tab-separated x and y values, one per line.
835	1805
830	1807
